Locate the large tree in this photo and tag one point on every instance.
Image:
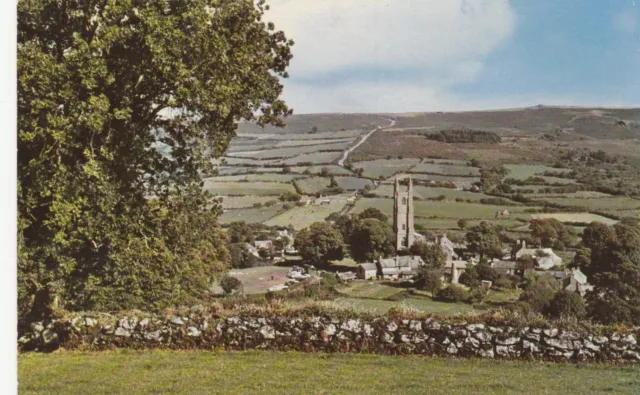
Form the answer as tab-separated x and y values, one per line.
614	271
371	239
484	240
552	233
121	108
319	244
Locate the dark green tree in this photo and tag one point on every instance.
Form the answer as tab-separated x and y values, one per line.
372	212
230	284
119	102
566	304
241	257
319	244
371	239
548	232
614	271
539	291
431	254
484	240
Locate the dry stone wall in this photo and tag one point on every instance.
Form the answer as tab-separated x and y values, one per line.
381	335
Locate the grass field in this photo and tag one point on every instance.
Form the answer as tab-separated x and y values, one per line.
576	217
234	202
443	209
609	203
352	183
251	215
289	151
522	172
302	217
248	188
369	289
437	223
312	185
333	169
314	158
267	372
423	192
259	279
437	168
385	167
273	177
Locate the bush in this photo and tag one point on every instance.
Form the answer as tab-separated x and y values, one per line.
540	291
257	205
566	304
230	284
452	294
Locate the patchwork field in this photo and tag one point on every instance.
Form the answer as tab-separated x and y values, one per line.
313	185
332	169
274	177
610	203
444	209
422	192
522	172
289	152
314	158
352	183
385	167
302	217
576	217
252	215
235	202
247	188
455	170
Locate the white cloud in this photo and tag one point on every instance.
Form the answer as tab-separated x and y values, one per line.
437	43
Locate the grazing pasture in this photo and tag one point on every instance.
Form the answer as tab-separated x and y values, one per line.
273	177
235	202
385	167
608	203
289	152
302	217
258	188
312	185
422	192
352	183
575	217
251	215
522	172
371	290
446	169
314	158
444	209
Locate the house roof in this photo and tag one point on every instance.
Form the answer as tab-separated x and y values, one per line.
368	266
458	264
504	265
401	261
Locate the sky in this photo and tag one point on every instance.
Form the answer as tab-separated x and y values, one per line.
447	55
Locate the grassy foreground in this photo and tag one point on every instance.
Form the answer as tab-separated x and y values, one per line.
202	372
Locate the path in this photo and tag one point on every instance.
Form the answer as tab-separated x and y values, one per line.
364	138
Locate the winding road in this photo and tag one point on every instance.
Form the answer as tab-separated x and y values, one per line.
346	153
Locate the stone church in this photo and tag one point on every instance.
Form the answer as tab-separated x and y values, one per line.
403	216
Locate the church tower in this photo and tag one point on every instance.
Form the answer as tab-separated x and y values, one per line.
403	215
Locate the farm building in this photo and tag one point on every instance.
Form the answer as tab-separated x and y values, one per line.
504	267
367	271
571	280
453	270
544	258
397	266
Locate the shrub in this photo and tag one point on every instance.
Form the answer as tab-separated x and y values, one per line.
257	205
539	291
566	304
230	284
452	294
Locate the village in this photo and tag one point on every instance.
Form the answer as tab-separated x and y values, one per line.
516	261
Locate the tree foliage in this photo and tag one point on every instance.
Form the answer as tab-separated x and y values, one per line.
549	232
371	239
613	268
319	244
484	240
539	291
431	254
566	304
121	108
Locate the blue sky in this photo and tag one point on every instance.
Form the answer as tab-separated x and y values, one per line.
430	55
